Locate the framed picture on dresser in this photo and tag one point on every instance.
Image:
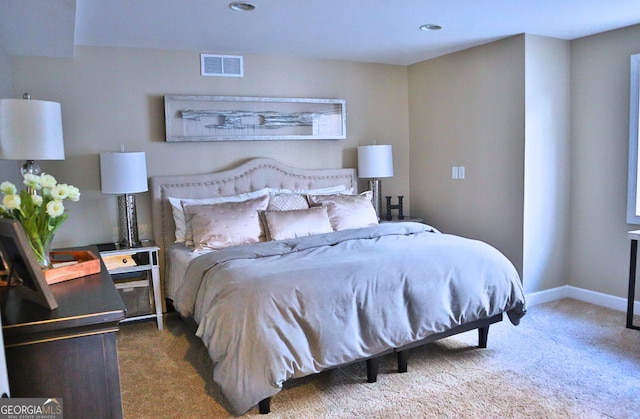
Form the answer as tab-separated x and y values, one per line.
24	273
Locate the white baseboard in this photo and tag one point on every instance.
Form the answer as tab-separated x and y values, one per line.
567	291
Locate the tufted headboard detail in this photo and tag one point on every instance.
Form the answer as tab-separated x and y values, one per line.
252	175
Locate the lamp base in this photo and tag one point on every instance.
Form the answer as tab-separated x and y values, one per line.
374	186
128	221
30	167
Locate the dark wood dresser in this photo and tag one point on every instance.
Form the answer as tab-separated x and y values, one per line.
69	352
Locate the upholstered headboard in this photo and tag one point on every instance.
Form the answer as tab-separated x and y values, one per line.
252	175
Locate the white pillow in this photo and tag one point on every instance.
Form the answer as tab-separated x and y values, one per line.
282	225
226	224
347	211
178	212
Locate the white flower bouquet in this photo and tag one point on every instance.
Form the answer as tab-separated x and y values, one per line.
40	215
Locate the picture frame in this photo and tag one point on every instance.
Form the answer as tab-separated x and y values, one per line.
243	118
24	269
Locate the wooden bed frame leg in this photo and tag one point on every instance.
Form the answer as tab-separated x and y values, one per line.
372	369
483	335
403	357
264	406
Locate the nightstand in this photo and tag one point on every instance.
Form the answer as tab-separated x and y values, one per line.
136	274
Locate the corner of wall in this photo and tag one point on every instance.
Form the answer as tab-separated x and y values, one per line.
547	163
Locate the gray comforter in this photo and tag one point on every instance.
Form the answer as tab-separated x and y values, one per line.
272	311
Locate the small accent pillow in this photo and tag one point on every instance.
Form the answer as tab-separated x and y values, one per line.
296	223
226	224
183	233
347	211
287	202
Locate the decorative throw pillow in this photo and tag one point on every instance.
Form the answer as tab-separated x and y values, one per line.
287	202
347	211
282	225
226	224
182	232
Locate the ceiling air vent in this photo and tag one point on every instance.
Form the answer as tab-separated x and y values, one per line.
221	65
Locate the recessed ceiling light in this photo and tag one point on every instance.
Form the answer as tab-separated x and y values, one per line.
242	7
430	27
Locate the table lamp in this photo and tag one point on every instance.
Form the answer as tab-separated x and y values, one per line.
125	173
30	130
375	162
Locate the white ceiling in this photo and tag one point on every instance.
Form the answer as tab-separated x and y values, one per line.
381	31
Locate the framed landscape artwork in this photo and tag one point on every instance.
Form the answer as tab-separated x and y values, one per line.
240	118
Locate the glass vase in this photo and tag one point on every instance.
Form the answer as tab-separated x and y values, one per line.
41	246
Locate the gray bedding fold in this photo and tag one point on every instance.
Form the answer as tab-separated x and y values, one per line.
272	311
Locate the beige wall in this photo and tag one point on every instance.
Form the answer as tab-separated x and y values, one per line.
502	111
599	248
547	163
5	74
8	169
114	96
468	109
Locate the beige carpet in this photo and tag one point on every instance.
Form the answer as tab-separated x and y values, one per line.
566	359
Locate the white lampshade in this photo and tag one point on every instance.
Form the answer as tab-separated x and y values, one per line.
123	172
30	130
375	161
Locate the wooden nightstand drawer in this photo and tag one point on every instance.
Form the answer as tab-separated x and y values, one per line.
113	262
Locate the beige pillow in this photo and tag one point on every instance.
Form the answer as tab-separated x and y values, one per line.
183	231
297	223
226	224
347	211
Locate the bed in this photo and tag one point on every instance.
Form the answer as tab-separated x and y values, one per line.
277	290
